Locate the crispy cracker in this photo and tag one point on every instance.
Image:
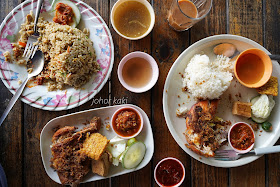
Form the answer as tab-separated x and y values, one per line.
95	145
270	88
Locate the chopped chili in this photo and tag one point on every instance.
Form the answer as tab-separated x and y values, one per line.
241	136
63	14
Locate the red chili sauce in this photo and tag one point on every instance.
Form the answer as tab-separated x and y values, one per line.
169	172
63	14
241	136
126	122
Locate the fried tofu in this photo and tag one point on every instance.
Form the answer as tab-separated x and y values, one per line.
270	88
242	109
102	166
94	146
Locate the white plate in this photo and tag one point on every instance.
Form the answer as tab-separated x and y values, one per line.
38	96
173	88
78	119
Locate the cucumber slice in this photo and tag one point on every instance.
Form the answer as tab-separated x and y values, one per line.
254	99
258	120
76	11
133	155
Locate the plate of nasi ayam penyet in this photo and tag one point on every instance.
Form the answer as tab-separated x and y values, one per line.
85	146
78	51
202	99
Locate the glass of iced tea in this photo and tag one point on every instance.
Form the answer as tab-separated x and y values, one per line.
183	14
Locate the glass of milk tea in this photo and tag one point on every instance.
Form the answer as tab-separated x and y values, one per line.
183	14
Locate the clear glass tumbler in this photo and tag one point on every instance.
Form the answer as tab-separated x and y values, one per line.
183	14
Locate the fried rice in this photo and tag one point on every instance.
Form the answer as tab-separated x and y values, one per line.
69	54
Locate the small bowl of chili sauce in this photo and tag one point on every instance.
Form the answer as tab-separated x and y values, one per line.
169	172
241	137
127	122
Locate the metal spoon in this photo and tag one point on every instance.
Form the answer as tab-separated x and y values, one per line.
37	65
229	50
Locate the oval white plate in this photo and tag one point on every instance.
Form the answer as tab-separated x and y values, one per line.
38	96
173	88
78	119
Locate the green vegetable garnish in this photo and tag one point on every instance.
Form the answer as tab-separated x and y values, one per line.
211	124
267	126
217	119
131	141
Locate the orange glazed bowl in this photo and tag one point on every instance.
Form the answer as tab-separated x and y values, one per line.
253	68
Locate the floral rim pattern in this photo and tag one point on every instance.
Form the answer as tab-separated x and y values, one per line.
38	96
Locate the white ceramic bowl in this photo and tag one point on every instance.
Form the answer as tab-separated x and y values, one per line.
170	158
150	9
238	150
135	110
153	64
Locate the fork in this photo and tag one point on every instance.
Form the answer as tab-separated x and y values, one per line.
30	47
230	155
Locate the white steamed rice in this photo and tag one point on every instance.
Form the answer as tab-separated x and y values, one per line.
208	80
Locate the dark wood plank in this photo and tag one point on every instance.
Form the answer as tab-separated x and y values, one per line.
214	23
11	129
35	119
245	18
272	38
143	100
167	46
11	139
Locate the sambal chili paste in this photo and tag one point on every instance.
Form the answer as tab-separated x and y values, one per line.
169	172
127	122
241	136
63	14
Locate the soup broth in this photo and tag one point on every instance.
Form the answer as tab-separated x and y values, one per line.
137	72
132	19
250	68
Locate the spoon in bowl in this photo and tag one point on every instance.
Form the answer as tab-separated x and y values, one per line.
229	50
37	66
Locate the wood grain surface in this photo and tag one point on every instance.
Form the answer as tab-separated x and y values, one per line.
214	23
11	131
245	18
20	133
271	42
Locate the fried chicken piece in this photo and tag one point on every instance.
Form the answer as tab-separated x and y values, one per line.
71	165
63	133
67	159
205	133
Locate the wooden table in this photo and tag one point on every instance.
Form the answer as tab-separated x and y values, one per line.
19	134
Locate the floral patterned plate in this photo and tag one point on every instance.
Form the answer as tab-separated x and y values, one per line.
37	95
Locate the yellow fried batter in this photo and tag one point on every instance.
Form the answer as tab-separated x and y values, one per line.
94	145
270	88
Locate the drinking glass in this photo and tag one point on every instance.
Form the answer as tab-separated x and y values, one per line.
183	14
